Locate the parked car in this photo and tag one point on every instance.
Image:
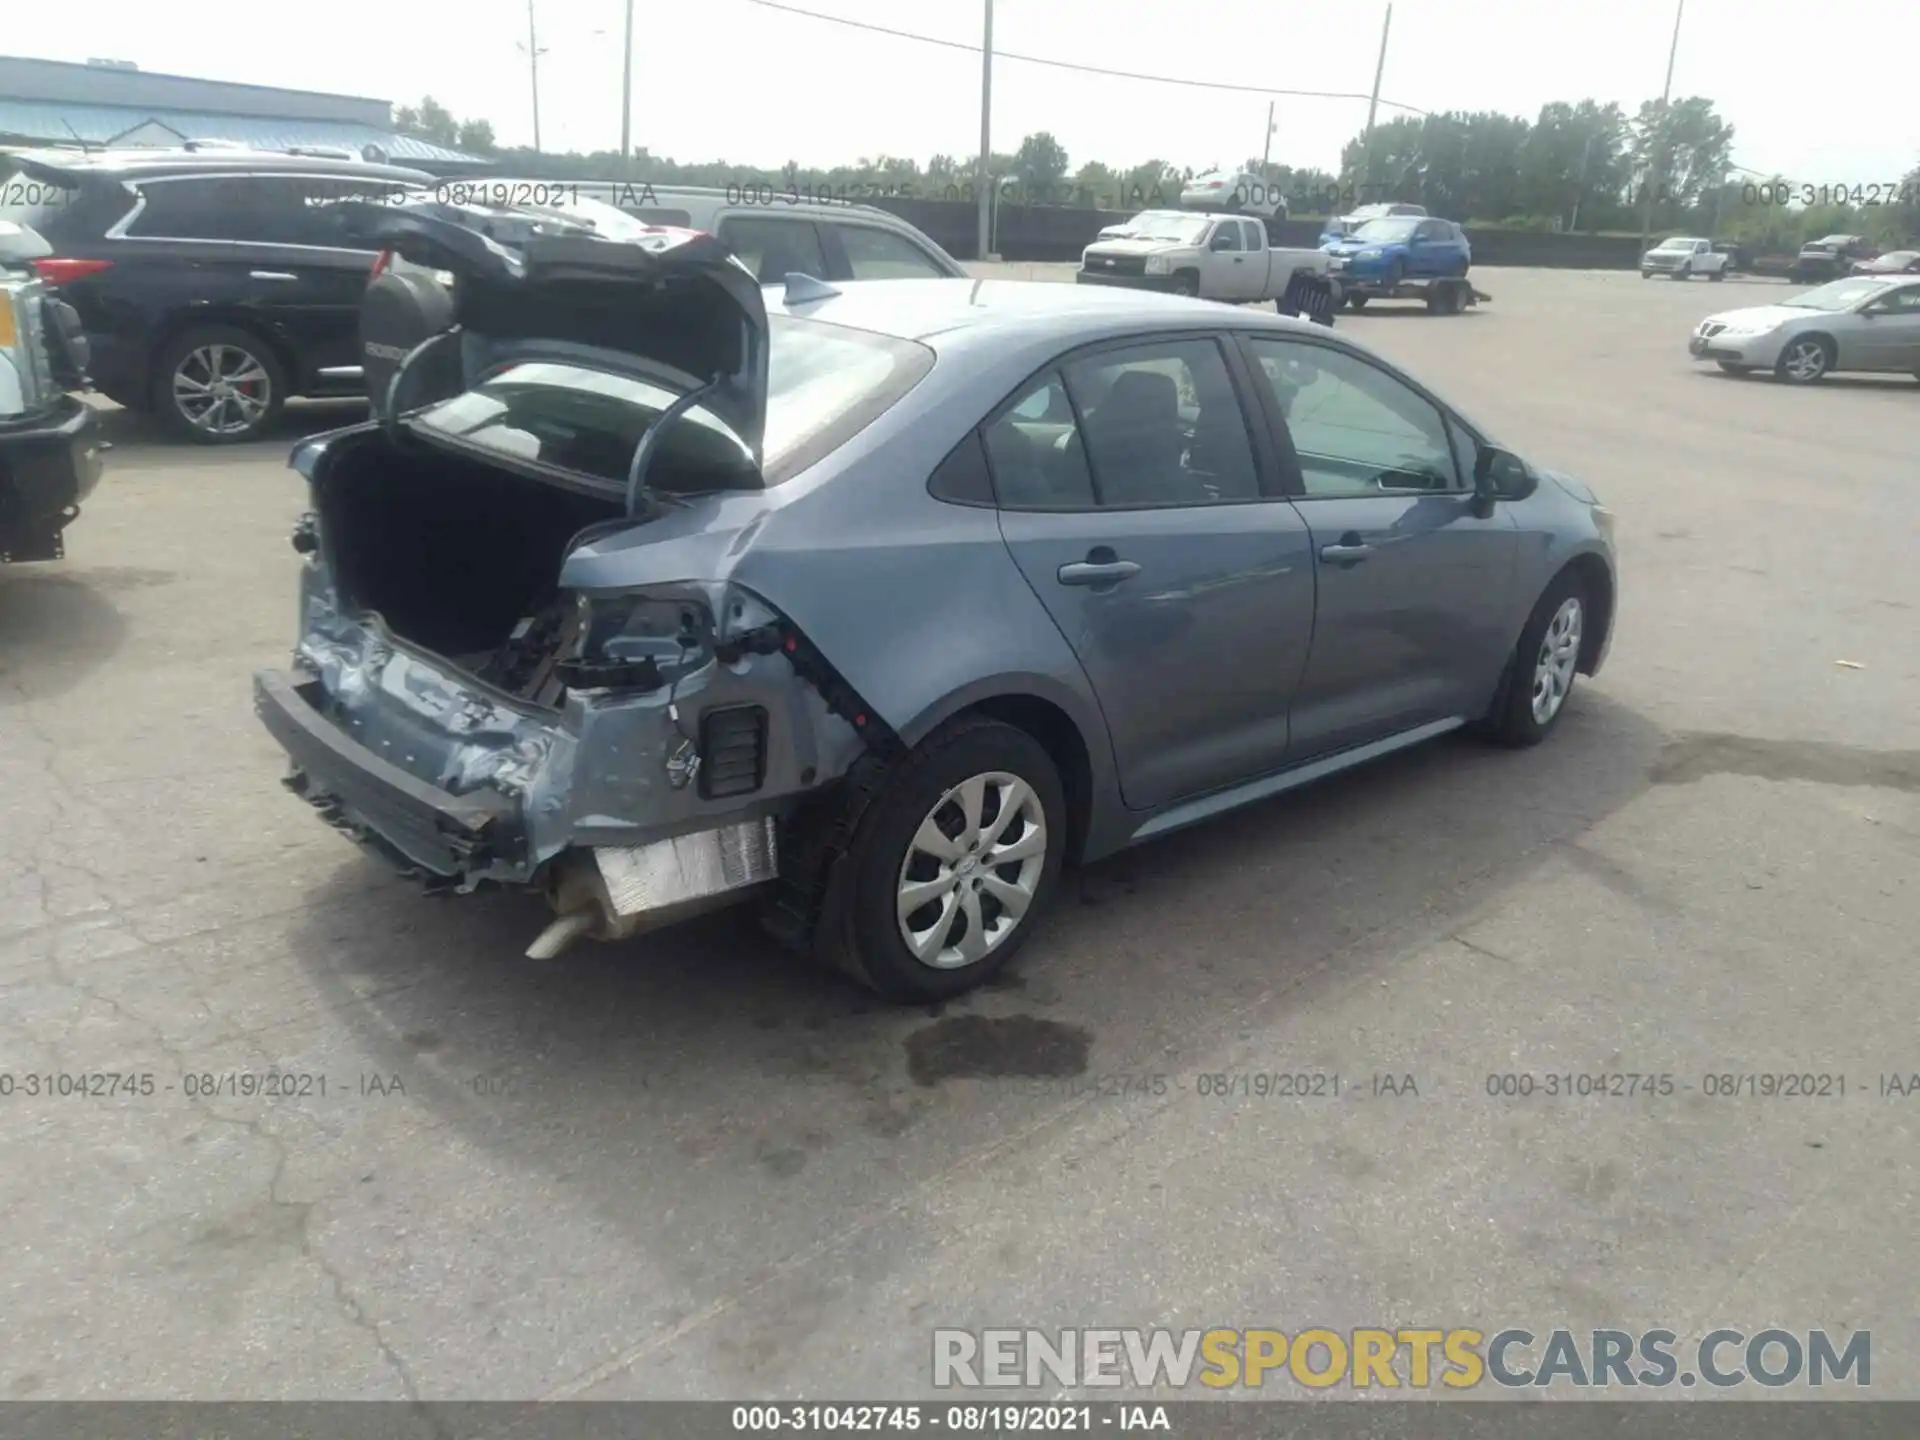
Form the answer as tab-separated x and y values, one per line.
1830	257
1868	323
1894	262
213	284
827	238
1392	249
1239	191
49	440
1223	257
1682	257
1339	228
648	600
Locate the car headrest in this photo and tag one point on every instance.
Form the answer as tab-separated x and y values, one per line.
1142	398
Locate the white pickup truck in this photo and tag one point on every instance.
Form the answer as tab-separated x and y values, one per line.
1684	257
1214	257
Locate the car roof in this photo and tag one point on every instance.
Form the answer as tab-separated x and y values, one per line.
923	309
137	164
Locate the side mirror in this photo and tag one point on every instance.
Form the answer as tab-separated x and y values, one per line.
1219	241
1502	475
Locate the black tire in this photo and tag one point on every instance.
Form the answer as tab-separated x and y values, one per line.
1444	299
1796	363
1683	273
1356	300
1511	720
1186	284
1733	369
1717	275
869	940
256	362
1646	274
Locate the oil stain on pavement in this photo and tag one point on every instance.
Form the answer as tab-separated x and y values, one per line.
979	1047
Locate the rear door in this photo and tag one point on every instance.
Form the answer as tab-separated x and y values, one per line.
1145	512
1412	584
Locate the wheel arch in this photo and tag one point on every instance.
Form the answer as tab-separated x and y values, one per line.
1074	739
1596	578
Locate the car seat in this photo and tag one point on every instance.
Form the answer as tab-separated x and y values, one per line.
1135	441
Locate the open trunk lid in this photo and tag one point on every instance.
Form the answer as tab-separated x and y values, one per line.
672	306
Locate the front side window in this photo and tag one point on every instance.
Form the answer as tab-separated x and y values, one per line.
1226	236
826	383
1904	301
876	254
774	247
1355	429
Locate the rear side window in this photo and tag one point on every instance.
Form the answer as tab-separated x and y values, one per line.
217	207
774	247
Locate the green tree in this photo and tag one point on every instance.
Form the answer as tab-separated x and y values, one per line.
1041	162
1682	150
476	137
430	121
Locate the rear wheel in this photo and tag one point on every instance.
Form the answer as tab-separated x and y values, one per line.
218	385
953	862
1805	360
1717	275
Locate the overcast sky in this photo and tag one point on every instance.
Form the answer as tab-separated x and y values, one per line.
1824	96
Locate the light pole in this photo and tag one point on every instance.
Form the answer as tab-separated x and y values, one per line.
626	96
533	72
1373	102
1266	150
1653	180
983	178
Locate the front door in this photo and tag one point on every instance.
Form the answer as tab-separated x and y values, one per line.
1888	336
1151	527
1412	582
1232	267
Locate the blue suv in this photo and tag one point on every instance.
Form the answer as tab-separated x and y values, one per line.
1401	247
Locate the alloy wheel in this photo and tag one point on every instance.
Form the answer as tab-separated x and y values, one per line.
971	870
1559	656
221	389
1805	360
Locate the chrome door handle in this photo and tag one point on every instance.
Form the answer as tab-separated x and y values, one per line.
1345	554
273	275
1092	573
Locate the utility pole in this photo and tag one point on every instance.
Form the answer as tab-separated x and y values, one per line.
626	96
533	71
1373	102
1658	174
1580	195
1266	150
983	179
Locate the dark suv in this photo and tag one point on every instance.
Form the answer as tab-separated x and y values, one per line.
213	284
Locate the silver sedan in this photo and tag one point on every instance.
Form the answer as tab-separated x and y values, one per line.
1864	322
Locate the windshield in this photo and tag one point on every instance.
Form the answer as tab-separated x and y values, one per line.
1839	295
1387	232
1185	228
825	383
1679	242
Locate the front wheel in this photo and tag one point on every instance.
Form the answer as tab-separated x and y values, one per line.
1540	675
1356	301
953	862
1186	285
1805	360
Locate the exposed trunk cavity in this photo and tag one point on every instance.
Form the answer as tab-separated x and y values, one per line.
457	557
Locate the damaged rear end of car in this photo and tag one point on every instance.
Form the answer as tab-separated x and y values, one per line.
525	654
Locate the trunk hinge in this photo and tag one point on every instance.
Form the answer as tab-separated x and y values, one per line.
649	445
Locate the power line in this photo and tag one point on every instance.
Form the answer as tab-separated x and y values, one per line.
999	54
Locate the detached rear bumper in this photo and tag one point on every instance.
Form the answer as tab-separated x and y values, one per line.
377	802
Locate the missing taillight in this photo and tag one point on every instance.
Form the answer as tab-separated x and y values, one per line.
381	264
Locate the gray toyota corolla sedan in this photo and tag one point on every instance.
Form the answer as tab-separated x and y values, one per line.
654	590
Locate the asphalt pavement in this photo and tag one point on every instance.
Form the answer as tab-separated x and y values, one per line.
685	1167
